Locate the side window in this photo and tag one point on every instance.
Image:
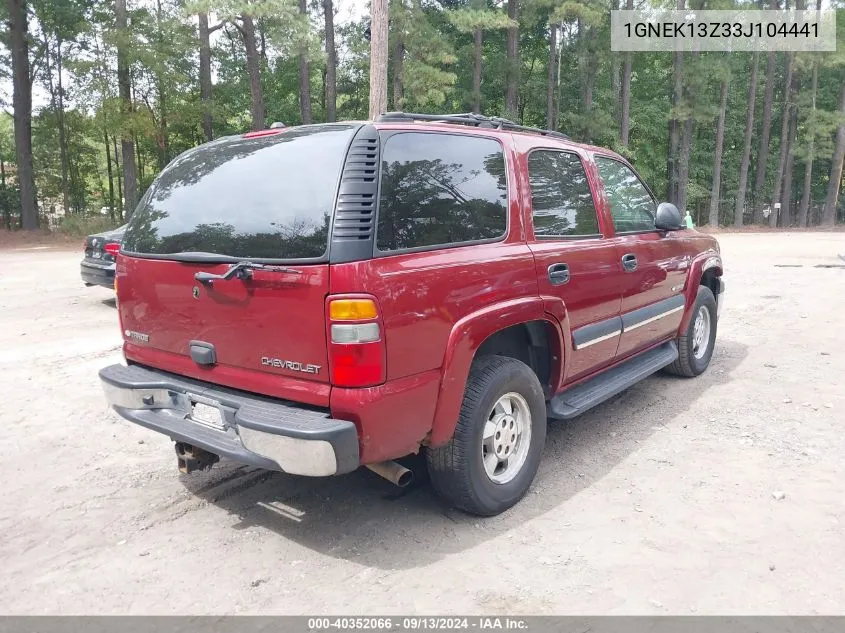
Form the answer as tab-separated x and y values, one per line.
631	205
440	189
560	195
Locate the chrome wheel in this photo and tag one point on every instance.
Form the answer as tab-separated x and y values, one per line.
506	438
701	333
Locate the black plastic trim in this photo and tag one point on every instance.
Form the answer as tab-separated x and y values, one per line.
182	430
586	395
97	275
568	238
583	335
634	317
354	219
214	258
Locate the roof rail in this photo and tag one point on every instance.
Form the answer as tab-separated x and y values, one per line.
469	118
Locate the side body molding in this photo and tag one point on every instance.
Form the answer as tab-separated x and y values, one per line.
466	337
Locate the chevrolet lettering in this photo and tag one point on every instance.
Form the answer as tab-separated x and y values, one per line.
292	365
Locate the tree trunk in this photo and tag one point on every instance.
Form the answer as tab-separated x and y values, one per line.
138	160
551	107
331	62
804	208
746	148
7	212
60	120
683	165
54	105
398	71
786	194
110	175
829	213
120	210
615	84
253	69
686	147
304	71
130	179
378	57
713	219
765	133
22	106
478	42
205	76
784	139
625	127
164	136
512	63
674	123
589	80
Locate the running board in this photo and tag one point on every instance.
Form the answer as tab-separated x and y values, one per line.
577	400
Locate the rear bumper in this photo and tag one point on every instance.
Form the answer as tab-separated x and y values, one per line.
97	274
720	300
258	431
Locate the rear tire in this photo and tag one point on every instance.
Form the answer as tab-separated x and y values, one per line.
695	345
495	452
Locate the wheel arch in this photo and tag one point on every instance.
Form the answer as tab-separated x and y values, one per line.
499	329
704	271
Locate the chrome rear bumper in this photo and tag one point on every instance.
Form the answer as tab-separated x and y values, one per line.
251	429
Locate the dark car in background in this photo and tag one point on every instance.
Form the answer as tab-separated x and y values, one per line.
97	267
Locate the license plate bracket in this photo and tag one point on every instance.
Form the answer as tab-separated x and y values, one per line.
208	415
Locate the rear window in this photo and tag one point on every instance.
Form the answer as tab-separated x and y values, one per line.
440	189
269	197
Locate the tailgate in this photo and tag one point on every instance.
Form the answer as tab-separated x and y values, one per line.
267	332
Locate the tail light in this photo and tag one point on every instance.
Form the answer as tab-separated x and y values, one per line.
356	342
112	248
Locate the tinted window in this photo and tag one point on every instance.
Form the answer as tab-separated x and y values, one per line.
631	204
440	189
560	195
269	197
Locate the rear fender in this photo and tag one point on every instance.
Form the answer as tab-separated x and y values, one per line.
708	260
466	337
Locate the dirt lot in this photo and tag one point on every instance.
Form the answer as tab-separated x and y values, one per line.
660	501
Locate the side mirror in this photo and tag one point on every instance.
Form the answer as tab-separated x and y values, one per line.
668	218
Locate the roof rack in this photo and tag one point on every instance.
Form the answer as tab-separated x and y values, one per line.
469	118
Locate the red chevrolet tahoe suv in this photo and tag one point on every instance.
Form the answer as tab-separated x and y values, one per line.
317	298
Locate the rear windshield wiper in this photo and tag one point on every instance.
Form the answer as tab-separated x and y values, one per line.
242	270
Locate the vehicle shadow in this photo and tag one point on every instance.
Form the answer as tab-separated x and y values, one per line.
111	302
362	518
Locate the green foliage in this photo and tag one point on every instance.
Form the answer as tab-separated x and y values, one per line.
438	58
80	226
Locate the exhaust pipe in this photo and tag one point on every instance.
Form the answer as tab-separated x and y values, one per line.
394	472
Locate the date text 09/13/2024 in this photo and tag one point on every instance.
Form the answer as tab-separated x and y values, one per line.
417	623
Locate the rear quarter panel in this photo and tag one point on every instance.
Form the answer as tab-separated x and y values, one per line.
423	295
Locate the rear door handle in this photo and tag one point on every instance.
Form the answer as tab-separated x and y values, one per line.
559	274
629	262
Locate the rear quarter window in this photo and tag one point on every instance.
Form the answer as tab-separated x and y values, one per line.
440	190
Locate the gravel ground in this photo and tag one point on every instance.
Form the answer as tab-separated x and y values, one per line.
722	494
